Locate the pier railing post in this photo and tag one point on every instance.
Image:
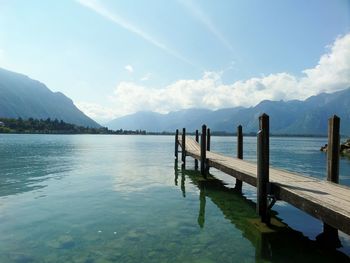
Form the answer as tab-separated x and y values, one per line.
263	168
208	149
330	233
176	144
183	146
333	149
195	160
203	150
238	185
208	139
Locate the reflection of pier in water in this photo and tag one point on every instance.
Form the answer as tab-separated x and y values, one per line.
277	243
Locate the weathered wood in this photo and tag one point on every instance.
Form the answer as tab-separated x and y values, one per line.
333	149
263	168
203	150
326	201
238	185
208	149
208	139
176	145
330	234
183	151
195	160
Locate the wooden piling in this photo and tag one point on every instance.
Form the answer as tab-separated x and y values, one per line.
238	185
330	234
208	139
263	168
195	160
203	151
333	149
176	144
295	190
183	151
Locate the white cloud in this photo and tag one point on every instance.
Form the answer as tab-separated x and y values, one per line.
129	68
333	70
97	112
97	7
332	73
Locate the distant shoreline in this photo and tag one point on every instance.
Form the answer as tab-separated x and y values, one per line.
169	134
59	127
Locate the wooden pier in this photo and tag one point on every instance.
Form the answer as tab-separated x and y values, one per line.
271	241
326	200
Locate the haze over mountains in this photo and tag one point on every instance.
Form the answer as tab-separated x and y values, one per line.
23	97
286	117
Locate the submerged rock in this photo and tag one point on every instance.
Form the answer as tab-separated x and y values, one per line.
324	148
62	242
344	147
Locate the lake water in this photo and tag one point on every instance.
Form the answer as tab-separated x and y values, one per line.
87	198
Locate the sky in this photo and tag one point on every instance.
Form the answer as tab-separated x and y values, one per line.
114	58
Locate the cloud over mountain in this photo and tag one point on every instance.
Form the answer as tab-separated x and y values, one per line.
332	73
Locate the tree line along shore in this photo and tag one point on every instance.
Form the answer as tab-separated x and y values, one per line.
55	126
49	126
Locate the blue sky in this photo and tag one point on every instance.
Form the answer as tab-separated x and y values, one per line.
117	57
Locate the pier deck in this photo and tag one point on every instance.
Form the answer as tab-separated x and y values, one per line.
322	199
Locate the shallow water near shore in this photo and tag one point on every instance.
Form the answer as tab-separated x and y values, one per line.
96	198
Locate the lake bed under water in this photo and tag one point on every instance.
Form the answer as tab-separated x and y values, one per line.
103	198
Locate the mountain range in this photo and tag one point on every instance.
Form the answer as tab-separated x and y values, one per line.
286	117
23	97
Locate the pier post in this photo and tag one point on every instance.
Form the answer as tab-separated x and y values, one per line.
208	139
330	234
238	185
183	146
203	151
195	160
208	149
176	144
263	168
333	149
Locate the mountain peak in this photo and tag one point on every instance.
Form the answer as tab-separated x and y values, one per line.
24	97
286	117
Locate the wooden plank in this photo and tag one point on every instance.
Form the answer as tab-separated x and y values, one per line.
324	200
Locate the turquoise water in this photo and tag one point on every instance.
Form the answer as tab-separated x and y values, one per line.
86	198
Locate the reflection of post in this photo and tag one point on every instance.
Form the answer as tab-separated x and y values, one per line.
263	248
176	173
195	160
201	215
183	188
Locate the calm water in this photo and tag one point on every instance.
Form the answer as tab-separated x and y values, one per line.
85	198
